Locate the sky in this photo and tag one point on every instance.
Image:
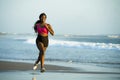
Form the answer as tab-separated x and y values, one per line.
78	17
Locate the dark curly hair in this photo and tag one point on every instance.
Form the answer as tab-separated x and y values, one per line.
42	14
39	21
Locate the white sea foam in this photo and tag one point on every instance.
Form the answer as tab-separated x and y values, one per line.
92	45
31	41
113	36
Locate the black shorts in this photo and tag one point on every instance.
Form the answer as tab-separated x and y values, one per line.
42	39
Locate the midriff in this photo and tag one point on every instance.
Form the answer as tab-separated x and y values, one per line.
43	34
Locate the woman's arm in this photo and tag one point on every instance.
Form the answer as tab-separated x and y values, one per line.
35	27
49	27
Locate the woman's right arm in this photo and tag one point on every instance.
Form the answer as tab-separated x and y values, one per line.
35	27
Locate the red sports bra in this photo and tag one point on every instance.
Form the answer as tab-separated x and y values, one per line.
41	30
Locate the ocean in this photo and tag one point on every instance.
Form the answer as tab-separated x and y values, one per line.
99	50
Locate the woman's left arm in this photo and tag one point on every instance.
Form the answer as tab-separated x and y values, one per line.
49	27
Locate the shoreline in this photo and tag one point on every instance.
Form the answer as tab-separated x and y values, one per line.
8	65
82	69
23	71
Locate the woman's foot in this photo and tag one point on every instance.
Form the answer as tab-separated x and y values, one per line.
43	69
35	67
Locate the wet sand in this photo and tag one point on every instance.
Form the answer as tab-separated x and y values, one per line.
5	65
23	71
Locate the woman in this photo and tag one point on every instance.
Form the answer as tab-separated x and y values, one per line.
42	29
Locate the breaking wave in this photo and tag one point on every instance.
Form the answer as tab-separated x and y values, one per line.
93	45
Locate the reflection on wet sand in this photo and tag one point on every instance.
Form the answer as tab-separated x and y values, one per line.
34	78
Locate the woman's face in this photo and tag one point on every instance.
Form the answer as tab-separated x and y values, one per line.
43	18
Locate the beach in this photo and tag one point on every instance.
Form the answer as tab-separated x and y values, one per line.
23	71
5	65
71	57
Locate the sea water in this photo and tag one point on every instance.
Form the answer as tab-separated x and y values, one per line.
100	50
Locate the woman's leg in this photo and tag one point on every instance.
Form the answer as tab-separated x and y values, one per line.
43	57
40	47
38	60
45	42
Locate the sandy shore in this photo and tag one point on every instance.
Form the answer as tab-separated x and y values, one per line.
86	69
5	65
23	71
